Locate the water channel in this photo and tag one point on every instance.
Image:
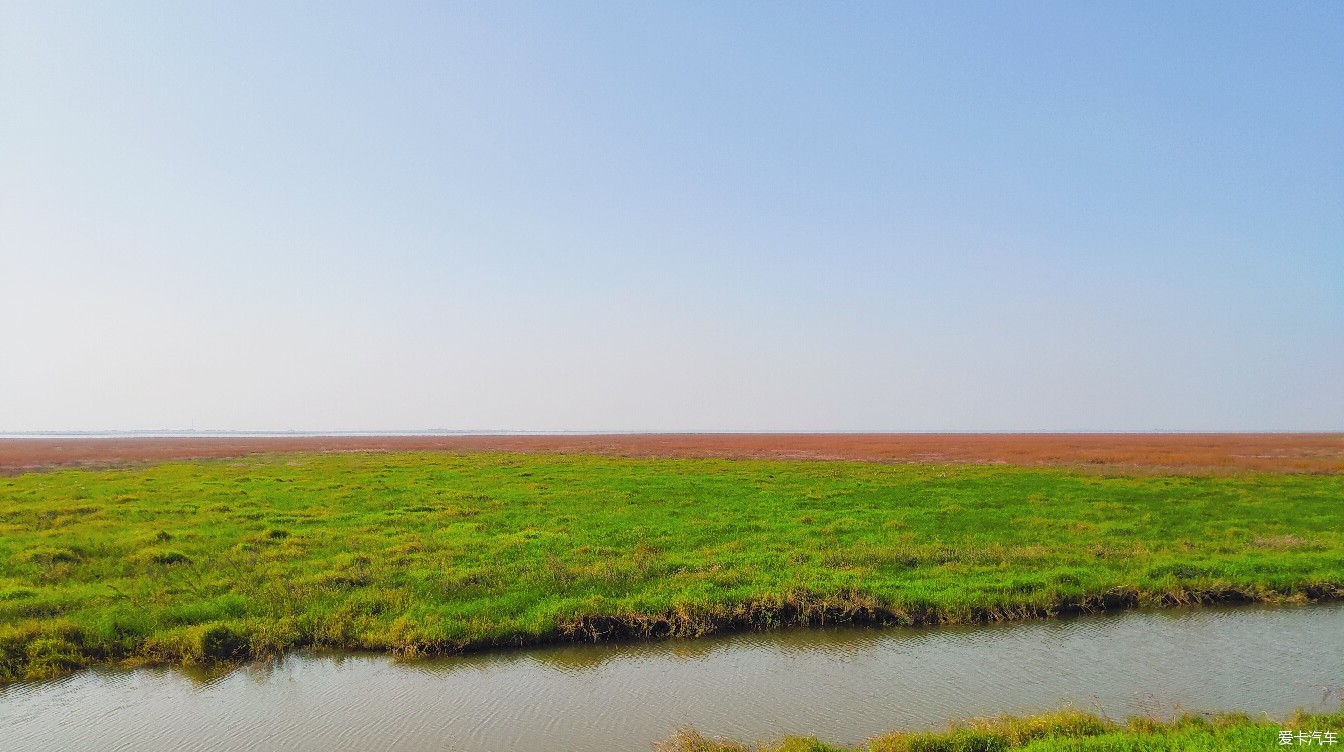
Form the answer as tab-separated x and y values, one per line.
842	685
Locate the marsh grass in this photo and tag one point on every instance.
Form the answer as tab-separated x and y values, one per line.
1069	730
423	553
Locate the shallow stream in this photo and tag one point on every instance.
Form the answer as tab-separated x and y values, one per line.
842	685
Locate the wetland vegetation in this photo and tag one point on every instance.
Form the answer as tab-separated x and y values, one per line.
416	553
1065	731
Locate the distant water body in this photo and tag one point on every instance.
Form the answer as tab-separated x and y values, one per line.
285	434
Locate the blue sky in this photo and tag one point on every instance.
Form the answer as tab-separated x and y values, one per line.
717	216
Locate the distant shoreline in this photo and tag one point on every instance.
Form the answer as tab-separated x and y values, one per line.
1160	452
175	433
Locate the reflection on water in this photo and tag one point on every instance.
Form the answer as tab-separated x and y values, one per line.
843	685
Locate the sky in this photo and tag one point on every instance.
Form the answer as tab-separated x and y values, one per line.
741	216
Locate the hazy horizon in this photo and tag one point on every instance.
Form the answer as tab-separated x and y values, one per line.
244	433
940	218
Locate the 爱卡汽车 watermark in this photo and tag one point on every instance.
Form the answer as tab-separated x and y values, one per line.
1290	738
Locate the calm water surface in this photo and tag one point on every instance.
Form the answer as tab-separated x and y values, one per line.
842	685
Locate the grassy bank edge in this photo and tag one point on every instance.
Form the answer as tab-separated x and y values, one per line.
37	650
1061	730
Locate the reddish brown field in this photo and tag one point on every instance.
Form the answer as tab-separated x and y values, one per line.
1275	452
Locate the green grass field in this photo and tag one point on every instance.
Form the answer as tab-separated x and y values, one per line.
415	553
1071	731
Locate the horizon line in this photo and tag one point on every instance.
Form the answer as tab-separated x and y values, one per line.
247	433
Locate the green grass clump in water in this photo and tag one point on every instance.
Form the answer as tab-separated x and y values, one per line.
195	562
1065	731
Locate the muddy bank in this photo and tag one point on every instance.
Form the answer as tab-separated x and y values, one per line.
803	610
69	649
